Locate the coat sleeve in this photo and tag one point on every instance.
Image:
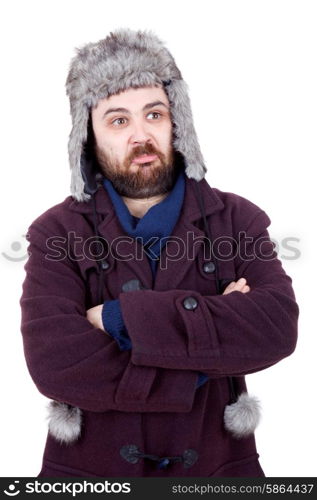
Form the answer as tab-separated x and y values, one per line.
113	324
71	361
225	335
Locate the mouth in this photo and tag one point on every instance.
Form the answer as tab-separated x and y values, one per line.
144	159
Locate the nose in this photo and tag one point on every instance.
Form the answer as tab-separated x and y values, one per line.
140	134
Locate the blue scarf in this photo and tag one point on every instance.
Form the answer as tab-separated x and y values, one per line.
157	224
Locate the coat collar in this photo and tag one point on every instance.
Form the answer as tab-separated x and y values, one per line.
190	209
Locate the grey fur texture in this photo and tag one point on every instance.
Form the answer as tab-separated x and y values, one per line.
125	59
242	417
64	422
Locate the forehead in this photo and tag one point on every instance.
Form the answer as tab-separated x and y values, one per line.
133	99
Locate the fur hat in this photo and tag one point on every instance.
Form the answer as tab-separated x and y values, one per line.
125	59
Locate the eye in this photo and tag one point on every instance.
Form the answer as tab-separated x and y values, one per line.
116	120
154	113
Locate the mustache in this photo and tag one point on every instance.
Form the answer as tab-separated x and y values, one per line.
147	149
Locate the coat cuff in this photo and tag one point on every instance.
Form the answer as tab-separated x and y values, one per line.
114	325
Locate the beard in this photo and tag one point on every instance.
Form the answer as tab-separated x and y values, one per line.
139	184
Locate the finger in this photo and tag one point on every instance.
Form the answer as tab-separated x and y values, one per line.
241	282
229	288
236	286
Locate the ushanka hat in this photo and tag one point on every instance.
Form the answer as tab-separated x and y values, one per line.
123	60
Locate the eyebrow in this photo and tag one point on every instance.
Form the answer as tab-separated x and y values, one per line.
124	110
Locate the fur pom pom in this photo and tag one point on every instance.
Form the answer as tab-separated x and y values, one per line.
241	418
64	421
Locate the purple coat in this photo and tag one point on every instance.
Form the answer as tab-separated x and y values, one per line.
148	396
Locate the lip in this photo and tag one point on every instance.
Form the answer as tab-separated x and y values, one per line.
144	158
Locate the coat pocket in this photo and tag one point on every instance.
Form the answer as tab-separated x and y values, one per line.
51	469
247	467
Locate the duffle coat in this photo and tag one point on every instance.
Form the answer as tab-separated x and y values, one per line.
148	396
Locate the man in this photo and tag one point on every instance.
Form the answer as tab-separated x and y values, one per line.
148	294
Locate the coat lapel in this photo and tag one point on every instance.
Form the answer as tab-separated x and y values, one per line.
125	250
187	238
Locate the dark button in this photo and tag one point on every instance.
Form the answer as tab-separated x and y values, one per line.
129	453
163	463
105	264
189	457
132	285
209	267
190	303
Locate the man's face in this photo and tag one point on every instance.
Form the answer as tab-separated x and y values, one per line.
133	141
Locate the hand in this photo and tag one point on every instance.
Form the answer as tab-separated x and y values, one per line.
94	317
237	286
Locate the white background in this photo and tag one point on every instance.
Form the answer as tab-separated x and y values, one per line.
251	71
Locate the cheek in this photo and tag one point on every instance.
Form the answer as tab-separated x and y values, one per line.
108	144
116	150
166	139
101	139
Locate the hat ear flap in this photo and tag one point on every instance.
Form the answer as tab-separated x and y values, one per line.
76	150
185	137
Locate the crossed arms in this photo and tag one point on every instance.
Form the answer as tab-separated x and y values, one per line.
71	359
